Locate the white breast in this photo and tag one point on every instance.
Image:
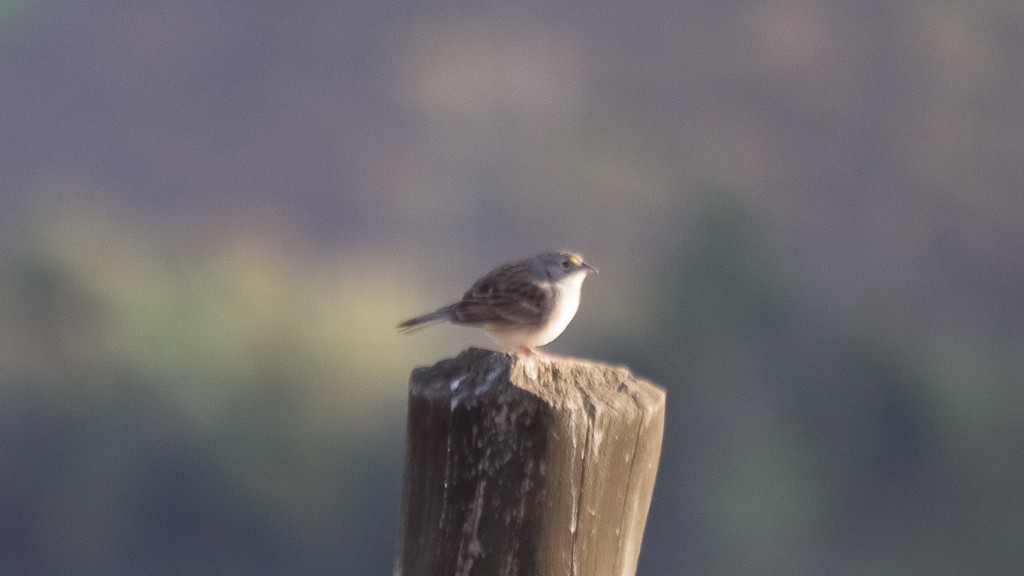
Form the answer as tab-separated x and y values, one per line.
567	303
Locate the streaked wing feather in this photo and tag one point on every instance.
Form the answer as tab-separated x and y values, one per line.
499	298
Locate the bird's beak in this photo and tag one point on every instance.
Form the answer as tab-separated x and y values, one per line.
589	267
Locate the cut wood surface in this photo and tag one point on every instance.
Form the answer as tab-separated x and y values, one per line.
527	465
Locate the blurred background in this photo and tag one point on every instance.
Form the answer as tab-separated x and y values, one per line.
807	218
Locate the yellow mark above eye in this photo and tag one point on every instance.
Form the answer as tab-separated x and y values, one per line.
576	260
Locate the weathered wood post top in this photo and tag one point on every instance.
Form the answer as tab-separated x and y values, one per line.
527	465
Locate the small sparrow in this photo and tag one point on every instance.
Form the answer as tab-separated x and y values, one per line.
521	305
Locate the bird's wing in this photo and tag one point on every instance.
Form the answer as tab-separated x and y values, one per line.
501	299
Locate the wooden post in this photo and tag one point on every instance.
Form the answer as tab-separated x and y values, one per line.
527	466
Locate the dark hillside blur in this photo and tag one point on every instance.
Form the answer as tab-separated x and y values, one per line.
807	219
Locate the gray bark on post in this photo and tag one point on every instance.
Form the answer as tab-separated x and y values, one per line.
523	466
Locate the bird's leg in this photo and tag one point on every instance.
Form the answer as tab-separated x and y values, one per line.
534	353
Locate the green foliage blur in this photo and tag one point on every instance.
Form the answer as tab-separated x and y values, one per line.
808	445
237	409
212	215
167	411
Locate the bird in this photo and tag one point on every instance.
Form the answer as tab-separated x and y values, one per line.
521	305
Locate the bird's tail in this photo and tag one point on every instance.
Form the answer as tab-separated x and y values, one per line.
420	322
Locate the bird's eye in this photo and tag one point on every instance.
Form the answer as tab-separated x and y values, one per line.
566	265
